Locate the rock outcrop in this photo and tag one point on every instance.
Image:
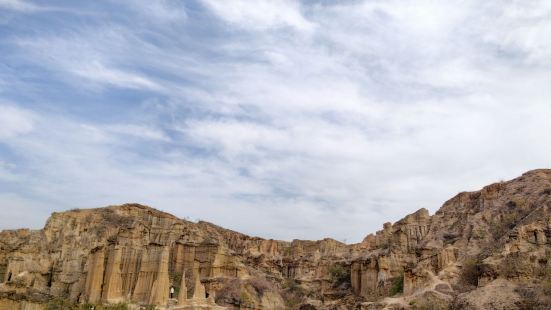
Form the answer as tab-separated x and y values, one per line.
484	249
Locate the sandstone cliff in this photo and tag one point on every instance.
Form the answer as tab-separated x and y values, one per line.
481	250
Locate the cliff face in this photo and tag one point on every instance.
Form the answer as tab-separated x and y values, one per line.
135	253
485	249
482	250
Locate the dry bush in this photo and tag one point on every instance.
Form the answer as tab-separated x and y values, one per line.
545	287
293	286
449	237
115	219
119	306
428	305
261	285
430	301
502	224
470	272
542	270
529	299
245	299
242	293
514	266
293	294
292	299
515	211
230	292
59	303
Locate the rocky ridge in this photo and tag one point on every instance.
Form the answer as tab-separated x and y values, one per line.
487	249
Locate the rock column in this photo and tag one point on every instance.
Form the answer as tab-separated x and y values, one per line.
161	285
112	287
94	277
182	295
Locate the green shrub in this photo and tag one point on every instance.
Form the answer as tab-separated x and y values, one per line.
397	285
293	293
59	304
176	280
119	306
289	283
245	298
292	299
339	274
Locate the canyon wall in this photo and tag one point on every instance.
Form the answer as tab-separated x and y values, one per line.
477	241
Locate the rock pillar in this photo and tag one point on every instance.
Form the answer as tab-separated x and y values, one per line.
94	276
199	290
182	295
161	285
112	287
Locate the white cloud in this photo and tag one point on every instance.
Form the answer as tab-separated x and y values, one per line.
14	121
521	27
23	212
366	111
139	131
87	55
261	14
159	11
6	172
18	5
99	73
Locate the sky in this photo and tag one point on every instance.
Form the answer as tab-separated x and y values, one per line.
276	118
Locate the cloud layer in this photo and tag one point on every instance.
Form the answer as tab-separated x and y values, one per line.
282	119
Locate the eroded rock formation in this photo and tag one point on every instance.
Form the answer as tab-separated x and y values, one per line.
477	247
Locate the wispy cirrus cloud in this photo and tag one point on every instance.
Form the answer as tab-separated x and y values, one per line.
261	15
99	73
159	11
18	5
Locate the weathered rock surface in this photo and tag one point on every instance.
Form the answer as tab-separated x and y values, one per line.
484	249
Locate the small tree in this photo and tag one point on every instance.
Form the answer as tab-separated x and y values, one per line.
397	285
339	274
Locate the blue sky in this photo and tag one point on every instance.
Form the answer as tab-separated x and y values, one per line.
281	119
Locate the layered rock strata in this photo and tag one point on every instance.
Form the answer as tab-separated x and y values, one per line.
477	244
